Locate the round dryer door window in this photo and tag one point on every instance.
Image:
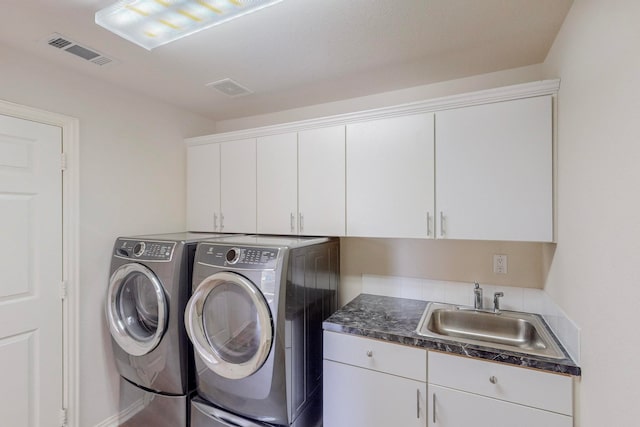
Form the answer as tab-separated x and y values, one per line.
230	325
136	309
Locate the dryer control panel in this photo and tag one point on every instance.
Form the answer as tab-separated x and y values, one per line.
145	250
240	257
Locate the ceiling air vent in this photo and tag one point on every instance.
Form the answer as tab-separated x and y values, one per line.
64	43
229	88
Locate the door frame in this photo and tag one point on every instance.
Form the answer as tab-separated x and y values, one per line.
70	245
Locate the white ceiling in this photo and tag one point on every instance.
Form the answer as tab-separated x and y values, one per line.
299	52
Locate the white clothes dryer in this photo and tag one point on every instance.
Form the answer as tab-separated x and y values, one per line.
255	320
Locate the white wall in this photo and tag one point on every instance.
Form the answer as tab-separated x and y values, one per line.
595	273
132	181
386	99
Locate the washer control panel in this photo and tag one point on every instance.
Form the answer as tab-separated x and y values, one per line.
240	257
146	250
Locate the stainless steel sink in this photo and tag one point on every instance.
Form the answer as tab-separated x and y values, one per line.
506	330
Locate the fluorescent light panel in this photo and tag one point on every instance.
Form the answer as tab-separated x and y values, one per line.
152	23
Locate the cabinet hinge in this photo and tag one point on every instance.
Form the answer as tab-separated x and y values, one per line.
63	161
63	289
63	417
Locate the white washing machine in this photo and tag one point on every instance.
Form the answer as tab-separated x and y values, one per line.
149	287
255	319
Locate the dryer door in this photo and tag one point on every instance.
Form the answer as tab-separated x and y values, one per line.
230	325
136	309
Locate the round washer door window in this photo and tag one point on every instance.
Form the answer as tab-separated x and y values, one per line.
136	309
230	325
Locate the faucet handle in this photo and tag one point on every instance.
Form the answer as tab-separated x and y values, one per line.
496	301
477	296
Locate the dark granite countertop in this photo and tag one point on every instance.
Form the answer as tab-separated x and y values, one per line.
396	319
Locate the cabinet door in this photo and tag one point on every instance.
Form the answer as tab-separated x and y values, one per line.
278	184
453	408
356	397
203	187
238	186
390	188
494	171
321	181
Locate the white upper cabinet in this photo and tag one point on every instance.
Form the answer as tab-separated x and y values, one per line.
321	180
203	187
494	171
390	177
238	186
278	184
221	187
478	172
301	183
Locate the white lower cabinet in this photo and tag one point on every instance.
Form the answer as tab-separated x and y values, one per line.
464	391
371	383
364	398
455	408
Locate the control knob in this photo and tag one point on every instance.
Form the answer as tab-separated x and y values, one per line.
233	255
139	248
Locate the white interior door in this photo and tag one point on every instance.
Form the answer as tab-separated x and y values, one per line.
31	268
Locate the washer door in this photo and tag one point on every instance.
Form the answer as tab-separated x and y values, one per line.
136	309
230	325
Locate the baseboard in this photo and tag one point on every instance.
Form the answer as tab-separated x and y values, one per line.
125	415
112	421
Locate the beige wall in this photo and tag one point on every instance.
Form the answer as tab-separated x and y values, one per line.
450	260
132	180
595	273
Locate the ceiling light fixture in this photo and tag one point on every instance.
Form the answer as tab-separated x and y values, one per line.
152	23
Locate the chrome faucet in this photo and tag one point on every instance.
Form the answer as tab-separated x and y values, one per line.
477	293
496	301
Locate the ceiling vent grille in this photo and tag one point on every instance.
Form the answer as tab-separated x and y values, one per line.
88	54
229	87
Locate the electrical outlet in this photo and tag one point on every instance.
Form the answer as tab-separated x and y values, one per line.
500	264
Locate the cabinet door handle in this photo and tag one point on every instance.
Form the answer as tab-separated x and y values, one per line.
442	224
418	403
433	408
301	222
428	224
293	222
493	379
369	353
215	222
221	221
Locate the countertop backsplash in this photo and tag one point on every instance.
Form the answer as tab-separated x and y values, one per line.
519	299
